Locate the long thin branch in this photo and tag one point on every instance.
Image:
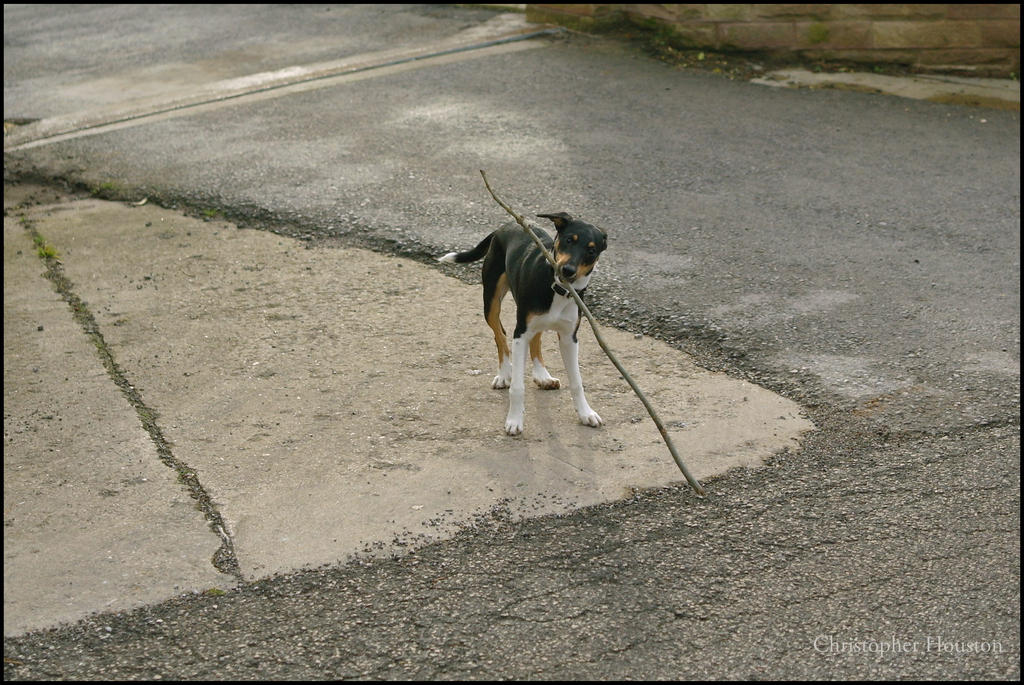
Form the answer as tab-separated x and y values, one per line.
694	483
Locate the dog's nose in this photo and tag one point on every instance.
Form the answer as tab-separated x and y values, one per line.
568	271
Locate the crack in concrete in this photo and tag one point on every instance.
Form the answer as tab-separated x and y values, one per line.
224	559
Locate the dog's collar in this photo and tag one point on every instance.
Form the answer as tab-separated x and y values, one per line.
563	291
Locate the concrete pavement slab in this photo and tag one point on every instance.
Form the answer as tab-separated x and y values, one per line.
92	519
337	402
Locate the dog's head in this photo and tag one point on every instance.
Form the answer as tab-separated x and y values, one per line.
577	245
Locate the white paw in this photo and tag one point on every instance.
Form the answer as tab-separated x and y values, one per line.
450	257
590	418
513	426
548	383
500	382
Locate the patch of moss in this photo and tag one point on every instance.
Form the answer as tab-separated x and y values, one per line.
817	33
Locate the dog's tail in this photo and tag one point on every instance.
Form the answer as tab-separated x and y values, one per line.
469	255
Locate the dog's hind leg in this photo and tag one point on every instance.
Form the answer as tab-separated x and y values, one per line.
541	377
495	289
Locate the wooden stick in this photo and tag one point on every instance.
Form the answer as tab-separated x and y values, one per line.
694	483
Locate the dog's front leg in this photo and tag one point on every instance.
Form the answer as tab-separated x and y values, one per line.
517	389
570	347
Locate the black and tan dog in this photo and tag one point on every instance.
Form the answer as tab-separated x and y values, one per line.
513	262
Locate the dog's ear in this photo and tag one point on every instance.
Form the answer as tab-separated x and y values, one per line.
560	219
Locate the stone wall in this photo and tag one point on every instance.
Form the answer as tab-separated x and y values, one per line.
981	38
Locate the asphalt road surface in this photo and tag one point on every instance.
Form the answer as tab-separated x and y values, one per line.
856	253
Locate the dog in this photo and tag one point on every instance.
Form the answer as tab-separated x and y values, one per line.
513	262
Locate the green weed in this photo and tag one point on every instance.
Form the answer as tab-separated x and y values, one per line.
44	249
105	189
